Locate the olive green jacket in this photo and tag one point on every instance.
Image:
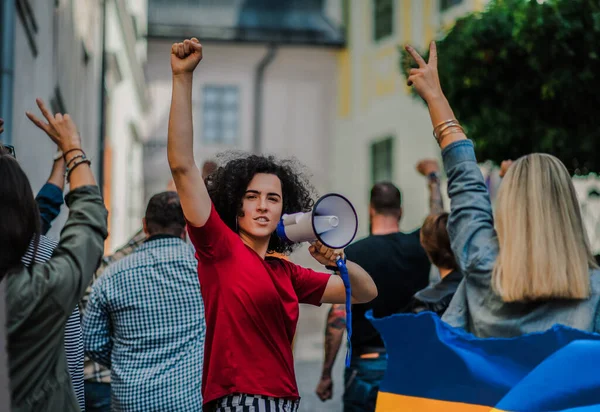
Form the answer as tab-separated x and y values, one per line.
39	300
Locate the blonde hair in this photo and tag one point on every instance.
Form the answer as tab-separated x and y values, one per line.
544	250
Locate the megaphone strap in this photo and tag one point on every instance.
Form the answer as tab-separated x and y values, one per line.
341	264
334	268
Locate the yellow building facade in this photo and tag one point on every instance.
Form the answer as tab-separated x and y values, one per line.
381	131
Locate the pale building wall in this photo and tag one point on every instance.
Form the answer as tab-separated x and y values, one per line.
125	126
68	43
63	33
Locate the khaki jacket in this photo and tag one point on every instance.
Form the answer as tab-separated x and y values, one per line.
39	300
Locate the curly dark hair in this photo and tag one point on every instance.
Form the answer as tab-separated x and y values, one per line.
227	186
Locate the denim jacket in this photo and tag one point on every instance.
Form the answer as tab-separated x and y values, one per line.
475	306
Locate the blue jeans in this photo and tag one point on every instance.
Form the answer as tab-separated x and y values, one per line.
362	381
97	397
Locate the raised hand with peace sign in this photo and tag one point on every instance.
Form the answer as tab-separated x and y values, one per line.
425	79
60	128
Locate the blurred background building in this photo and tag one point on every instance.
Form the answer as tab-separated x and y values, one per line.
266	83
52	50
85	58
127	103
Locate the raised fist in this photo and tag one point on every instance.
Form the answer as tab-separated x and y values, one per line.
428	166
506	164
185	56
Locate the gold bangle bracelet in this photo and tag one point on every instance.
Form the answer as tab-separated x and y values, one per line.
439	131
443	123
451	130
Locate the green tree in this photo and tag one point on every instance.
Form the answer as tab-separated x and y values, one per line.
524	76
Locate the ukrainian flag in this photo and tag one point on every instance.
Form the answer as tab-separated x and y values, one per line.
435	367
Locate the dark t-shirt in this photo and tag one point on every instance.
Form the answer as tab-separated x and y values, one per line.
399	267
436	298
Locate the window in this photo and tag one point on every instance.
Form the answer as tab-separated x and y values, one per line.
383	18
346	20
220	114
446	4
25	12
382	152
85	53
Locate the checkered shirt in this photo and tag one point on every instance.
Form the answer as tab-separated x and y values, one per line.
145	321
94	372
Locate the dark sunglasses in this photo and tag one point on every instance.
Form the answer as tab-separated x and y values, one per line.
9	149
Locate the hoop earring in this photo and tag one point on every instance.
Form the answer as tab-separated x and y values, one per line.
237	229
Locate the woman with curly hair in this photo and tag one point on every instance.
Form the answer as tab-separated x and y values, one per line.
251	301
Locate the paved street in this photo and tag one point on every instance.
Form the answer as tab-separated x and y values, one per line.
309	358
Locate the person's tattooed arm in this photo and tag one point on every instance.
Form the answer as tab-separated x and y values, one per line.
430	169
334	333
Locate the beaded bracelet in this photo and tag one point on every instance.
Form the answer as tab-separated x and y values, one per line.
73	159
72	150
82	156
75	165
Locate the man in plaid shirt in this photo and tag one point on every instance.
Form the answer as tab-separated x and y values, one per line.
145	318
97	377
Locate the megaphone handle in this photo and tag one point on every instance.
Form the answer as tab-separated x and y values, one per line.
346	279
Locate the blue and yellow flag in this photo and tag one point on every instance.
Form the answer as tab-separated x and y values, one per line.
435	367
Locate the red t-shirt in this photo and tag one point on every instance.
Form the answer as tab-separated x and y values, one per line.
251	310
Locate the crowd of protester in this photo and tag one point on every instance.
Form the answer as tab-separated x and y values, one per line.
198	311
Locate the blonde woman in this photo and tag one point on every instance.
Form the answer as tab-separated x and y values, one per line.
536	268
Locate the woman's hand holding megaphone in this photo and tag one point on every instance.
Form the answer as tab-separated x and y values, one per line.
325	255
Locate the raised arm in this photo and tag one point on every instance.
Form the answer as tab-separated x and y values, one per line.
334	334
471	224
50	197
363	288
426	82
62	130
78	254
430	169
191	189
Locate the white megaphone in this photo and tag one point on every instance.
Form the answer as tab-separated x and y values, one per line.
332	221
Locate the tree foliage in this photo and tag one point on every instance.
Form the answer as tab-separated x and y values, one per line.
524	76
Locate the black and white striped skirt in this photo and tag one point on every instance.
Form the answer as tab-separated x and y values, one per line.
253	403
